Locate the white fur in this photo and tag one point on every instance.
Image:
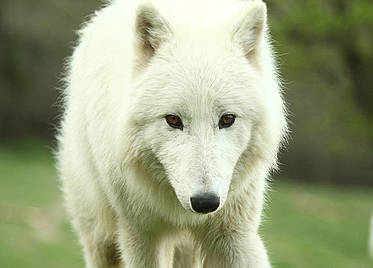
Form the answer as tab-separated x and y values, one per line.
128	176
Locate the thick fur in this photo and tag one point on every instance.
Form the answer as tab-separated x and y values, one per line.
128	176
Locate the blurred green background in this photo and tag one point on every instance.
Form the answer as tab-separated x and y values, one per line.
320	203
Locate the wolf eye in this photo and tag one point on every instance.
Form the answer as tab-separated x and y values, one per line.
174	121
226	120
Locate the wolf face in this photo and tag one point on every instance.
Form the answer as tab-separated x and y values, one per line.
196	106
199	151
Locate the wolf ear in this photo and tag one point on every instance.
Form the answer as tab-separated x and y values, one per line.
151	30
250	27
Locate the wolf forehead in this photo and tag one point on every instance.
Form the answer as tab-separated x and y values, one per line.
197	86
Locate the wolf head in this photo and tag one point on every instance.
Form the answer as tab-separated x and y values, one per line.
206	105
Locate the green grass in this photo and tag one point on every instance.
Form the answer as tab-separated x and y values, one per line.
305	225
318	226
34	231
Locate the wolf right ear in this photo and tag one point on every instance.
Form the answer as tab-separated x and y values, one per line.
250	26
151	30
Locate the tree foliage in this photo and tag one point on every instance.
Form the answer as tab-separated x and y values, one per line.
326	56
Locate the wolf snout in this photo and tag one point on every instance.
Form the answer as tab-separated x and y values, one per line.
205	202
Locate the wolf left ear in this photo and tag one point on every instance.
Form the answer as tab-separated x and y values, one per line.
250	26
151	30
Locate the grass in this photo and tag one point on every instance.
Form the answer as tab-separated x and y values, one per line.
318	226
304	225
34	231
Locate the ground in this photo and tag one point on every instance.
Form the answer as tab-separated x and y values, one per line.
304	225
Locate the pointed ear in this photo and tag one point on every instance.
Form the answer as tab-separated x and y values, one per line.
250	26
151	30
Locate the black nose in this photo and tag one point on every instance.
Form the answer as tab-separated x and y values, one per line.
205	202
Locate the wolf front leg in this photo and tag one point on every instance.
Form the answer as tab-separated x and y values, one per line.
98	241
143	249
100	254
235	251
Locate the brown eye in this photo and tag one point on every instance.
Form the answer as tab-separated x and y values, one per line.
174	121
226	120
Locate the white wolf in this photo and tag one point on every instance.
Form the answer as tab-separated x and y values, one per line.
173	120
